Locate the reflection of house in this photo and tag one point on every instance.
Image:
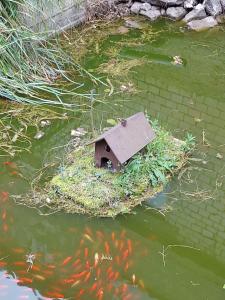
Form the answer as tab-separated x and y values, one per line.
120	143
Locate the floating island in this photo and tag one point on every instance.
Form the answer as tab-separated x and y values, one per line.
81	187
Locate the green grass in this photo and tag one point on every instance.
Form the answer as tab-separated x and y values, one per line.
30	63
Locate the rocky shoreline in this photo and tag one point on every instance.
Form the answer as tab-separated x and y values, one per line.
196	14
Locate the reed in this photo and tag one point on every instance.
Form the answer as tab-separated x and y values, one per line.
33	67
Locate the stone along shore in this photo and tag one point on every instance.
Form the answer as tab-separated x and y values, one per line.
197	14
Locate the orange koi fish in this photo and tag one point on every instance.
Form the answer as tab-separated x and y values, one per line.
100	294
20	264
121	245
87	277
66	260
107	249
76	262
14	173
100	235
113	236
129	245
123	234
5	227
36	268
126	267
5	196
94	287
124	288
4	215
79	275
25	280
116	276
87	265
18	250
55	295
98	273
81	242
3	264
125	254
68	281
109	270
85	252
81	292
75	283
111	275
117	258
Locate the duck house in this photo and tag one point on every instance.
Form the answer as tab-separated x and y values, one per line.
117	145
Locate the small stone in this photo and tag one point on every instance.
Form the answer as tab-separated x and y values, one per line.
45	123
132	24
151	14
189	4
199	25
197	13
39	135
176	13
136	7
78	132
48	200
219	156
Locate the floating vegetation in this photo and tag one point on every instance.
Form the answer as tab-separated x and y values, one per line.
14	124
119	68
80	187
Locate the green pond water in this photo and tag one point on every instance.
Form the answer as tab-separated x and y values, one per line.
173	255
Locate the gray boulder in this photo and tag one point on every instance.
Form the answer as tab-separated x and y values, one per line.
165	3
199	25
197	13
213	7
176	13
188	4
223	4
136	7
152	14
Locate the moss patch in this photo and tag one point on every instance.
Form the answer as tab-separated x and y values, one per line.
80	187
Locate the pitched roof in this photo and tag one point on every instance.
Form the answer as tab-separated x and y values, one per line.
125	141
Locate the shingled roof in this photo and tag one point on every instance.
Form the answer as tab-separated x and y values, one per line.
126	140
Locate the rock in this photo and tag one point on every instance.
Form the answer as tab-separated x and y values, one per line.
199	25
132	24
176	13
220	19
223	4
146	6
45	123
152	14
163	12
78	132
168	3
197	13
136	7
213	7
39	135
189	4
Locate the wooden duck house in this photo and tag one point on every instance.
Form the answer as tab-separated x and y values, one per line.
117	145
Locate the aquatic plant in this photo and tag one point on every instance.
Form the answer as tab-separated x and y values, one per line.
30	62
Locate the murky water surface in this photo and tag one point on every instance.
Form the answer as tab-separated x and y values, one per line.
176	254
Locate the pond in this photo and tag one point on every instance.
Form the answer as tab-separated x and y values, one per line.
175	253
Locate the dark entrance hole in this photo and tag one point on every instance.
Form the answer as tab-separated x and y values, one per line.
106	163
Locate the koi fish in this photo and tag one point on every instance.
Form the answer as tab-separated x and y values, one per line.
113	236
4	215
14	173
75	283
123	234
125	254
107	249
117	258
133	278
68	281
124	288
25	280
3	264
35	268
100	235
87	277
39	277
18	250
126	267
116	276
55	295
5	227
85	252
4	195
121	245
66	260
98	273
87	265
100	294
129	245
76	262
20	264
79	275
94	287
81	292
96	259
87	236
